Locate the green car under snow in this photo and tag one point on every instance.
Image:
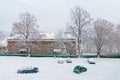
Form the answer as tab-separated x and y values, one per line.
79	69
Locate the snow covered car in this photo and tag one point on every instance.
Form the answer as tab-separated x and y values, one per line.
91	61
68	60
28	70
60	61
79	69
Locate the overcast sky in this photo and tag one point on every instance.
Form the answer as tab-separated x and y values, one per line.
52	15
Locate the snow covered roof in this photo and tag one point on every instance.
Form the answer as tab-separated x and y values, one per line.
16	37
48	35
23	49
53	36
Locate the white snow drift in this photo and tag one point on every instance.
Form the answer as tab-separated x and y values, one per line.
49	69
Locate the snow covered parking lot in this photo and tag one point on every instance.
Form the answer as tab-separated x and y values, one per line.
49	69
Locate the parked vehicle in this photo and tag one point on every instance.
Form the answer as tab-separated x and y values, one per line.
91	61
79	69
68	60
60	61
28	70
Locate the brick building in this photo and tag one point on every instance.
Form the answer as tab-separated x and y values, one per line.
39	46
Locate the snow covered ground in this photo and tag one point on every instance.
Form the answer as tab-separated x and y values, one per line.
49	69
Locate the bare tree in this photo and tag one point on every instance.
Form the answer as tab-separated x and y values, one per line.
3	42
2	35
102	29
26	27
60	42
80	19
64	43
117	38
110	42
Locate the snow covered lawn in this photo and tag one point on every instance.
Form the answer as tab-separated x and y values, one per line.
49	69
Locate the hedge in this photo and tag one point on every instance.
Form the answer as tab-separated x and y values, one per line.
110	56
23	55
63	56
41	55
53	55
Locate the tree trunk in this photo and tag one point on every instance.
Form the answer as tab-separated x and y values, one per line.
79	48
98	53
27	51
27	47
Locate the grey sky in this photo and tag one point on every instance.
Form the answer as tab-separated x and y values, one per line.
52	15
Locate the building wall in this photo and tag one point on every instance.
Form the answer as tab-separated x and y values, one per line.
37	47
12	48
